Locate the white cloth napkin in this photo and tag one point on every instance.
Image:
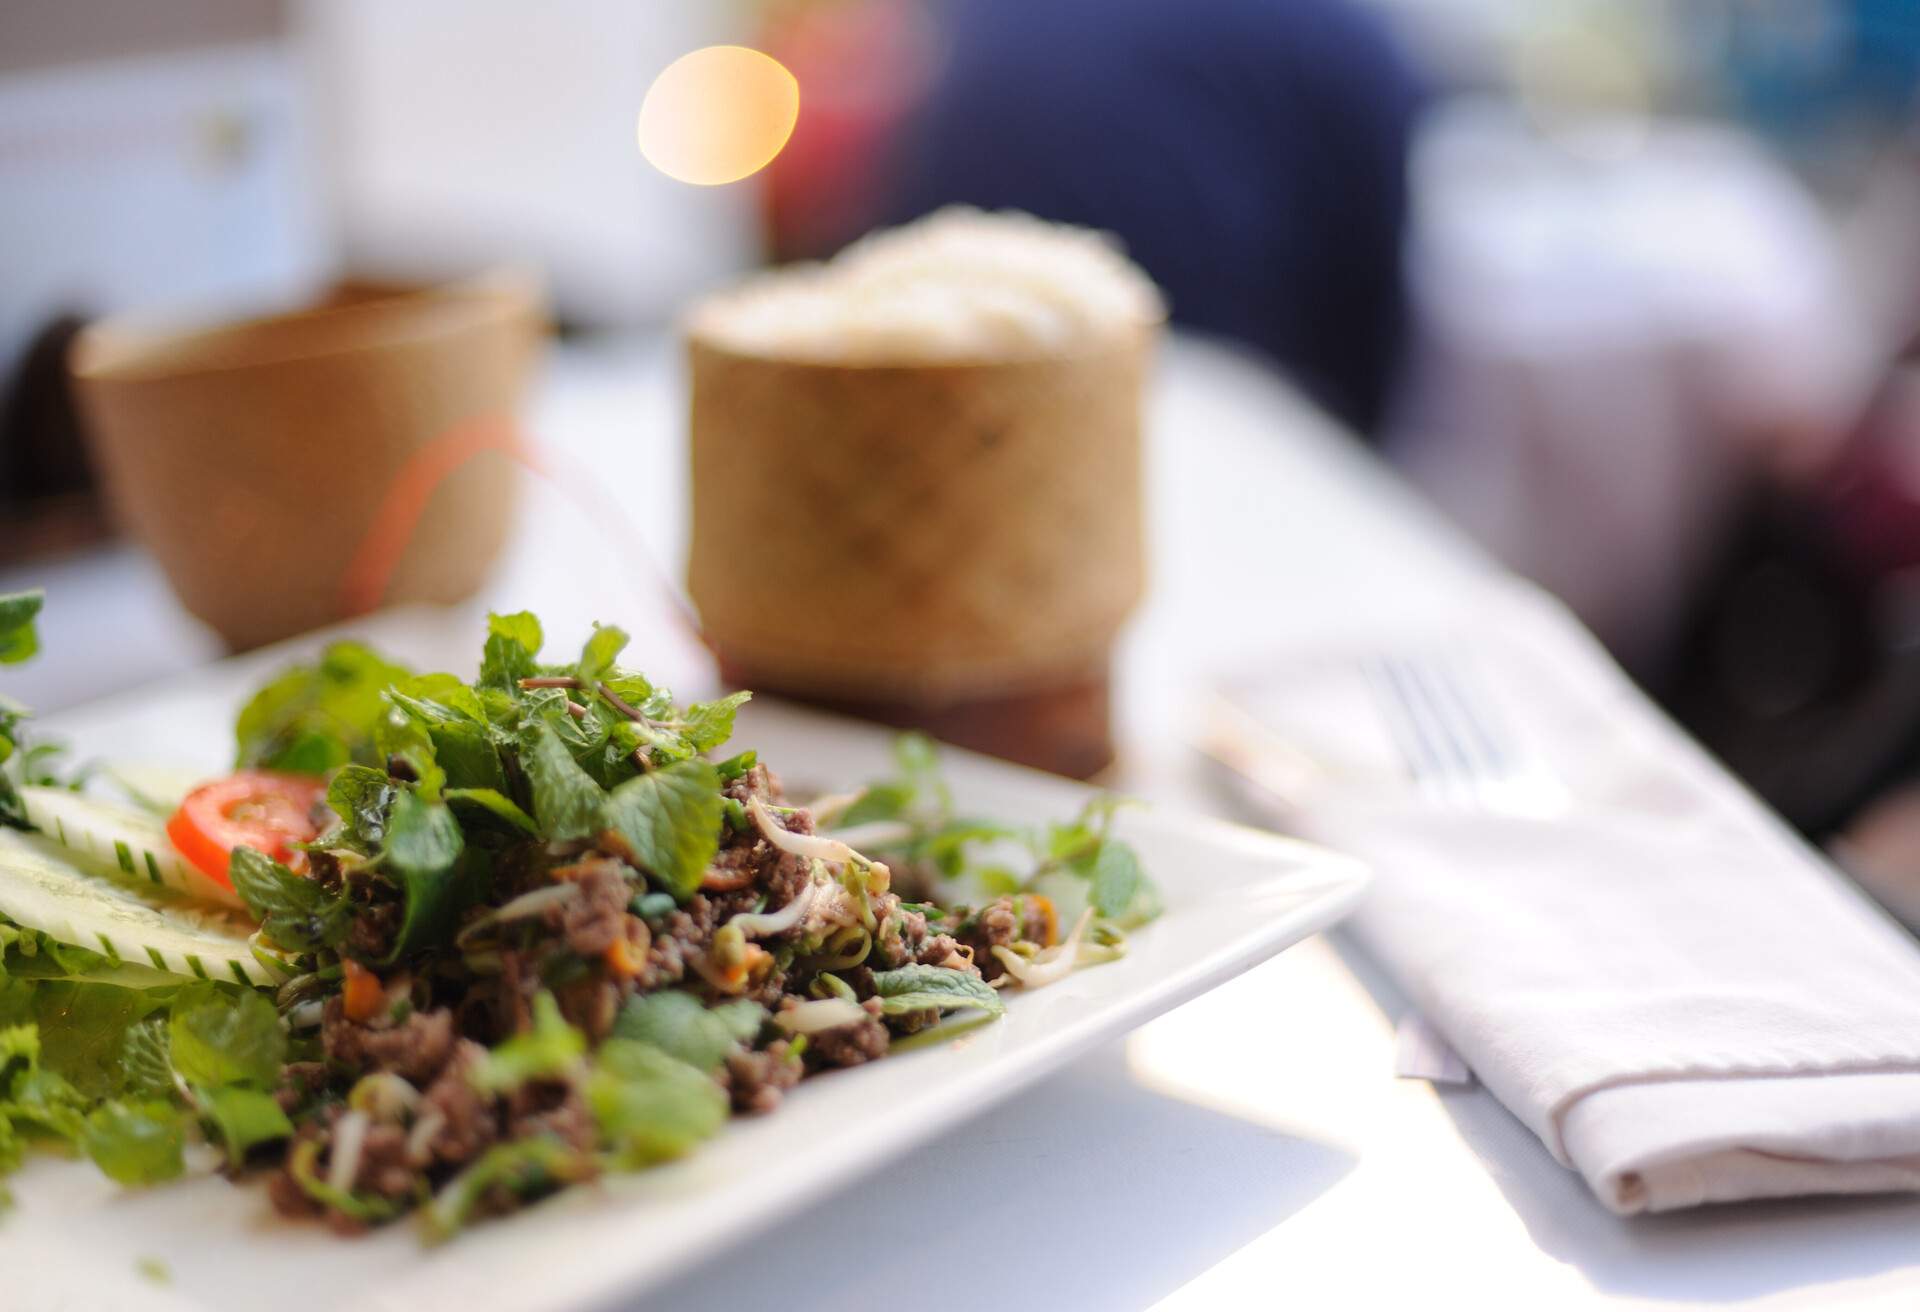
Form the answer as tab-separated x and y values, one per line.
1683	1000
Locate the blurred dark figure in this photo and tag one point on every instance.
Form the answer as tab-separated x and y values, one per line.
1250	153
1802	664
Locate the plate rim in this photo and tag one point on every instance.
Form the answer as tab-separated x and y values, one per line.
1327	884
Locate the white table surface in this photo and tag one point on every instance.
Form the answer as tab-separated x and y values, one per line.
1249	1150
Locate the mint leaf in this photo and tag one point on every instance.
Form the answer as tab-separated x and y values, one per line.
513	641
226	1036
1116	879
136	1142
709	724
360	796
423	851
683	1027
19	639
552	1049
920	988
650	1106
144	1057
602	649
295	912
311	718
881	801
669	822
496	804
454	720
567	803
641	693
243	1118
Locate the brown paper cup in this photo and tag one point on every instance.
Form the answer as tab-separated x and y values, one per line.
918	535
291	470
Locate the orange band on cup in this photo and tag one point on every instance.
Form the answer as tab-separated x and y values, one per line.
369	574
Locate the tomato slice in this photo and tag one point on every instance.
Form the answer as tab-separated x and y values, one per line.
263	809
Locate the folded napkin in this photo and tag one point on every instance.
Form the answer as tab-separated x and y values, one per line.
1683	1000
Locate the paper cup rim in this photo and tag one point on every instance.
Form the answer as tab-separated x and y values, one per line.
142	348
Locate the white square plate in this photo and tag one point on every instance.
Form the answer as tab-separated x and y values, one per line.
1234	897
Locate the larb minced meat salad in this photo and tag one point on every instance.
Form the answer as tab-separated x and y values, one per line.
445	947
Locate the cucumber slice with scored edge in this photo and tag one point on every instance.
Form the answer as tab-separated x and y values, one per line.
43	888
121	837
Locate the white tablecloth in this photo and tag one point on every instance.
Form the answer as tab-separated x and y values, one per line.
1251	1149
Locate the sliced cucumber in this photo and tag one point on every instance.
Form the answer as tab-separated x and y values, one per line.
156	788
43	888
125	838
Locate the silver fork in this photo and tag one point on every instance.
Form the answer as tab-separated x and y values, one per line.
1458	750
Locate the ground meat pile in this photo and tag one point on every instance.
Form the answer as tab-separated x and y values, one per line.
389	1108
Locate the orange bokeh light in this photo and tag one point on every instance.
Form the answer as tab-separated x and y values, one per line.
718	114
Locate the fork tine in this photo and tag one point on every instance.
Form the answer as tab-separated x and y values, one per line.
1471	716
1436	718
1419	741
1413	757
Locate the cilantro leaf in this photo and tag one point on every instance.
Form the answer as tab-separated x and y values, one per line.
296	912
243	1118
669	822
226	1036
82	1026
920	988
136	1142
32	1096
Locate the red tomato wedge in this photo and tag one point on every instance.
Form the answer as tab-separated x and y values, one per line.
262	809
